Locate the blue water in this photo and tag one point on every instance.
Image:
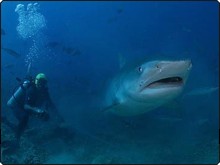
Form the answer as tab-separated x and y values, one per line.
102	32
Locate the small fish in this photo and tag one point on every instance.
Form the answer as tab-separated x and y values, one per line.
112	19
8	66
12	52
52	44
12	73
77	52
119	10
185	29
68	50
202	122
71	51
2	32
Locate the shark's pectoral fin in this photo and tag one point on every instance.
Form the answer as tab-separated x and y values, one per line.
114	104
109	107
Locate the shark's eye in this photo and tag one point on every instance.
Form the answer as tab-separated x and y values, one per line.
140	69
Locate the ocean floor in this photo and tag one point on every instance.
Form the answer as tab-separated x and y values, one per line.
131	145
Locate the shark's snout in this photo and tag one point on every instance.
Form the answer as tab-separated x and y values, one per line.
170	74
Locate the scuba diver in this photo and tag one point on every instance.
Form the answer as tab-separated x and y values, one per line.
32	98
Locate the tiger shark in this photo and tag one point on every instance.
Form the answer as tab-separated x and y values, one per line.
146	87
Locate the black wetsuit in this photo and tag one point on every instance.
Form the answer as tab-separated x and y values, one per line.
35	98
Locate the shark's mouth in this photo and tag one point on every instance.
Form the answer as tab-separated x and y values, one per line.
170	81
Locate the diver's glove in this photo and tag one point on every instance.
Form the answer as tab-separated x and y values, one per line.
39	111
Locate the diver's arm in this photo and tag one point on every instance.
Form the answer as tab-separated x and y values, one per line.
32	109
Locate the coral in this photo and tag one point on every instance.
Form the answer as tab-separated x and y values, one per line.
27	152
34	155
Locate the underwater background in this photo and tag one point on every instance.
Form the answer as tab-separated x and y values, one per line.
80	46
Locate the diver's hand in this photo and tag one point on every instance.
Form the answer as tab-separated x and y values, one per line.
42	114
39	111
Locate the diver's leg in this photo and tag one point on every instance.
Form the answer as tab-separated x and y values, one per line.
21	126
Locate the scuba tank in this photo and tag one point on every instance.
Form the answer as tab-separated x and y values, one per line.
18	96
